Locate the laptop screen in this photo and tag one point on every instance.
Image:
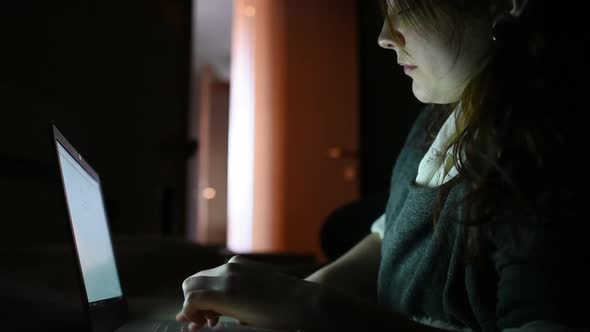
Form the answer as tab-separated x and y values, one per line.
91	233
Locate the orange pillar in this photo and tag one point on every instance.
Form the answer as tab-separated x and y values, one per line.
294	97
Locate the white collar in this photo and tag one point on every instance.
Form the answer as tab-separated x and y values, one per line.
438	167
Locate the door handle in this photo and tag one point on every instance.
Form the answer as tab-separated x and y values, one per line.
338	152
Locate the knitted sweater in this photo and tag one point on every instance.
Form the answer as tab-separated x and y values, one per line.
423	274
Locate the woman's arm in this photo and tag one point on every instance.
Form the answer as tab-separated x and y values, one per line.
338	297
268	299
354	273
333	311
348	302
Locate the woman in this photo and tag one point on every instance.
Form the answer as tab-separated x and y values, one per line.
478	234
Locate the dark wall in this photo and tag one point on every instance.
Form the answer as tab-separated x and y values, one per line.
388	106
114	76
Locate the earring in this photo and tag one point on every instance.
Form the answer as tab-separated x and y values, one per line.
505	27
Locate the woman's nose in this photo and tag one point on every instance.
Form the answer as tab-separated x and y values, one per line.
387	41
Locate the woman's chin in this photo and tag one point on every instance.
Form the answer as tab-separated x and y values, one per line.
420	94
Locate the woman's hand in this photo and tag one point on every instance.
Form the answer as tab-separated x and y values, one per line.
251	293
256	294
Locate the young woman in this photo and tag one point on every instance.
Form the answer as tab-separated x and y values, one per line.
478	234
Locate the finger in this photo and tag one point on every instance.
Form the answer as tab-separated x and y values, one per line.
180	317
197	319
213	321
201	303
202	282
211	315
196	316
212	318
193	327
197	323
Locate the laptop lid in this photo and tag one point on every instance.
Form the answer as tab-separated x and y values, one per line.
99	279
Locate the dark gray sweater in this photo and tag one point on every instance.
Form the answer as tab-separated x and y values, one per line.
423	274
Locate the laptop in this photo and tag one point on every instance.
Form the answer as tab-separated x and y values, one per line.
100	286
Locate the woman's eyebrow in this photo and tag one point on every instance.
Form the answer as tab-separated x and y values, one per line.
400	12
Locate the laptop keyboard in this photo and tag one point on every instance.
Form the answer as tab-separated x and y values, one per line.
173	326
154	326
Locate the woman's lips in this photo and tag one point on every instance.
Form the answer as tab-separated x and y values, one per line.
408	68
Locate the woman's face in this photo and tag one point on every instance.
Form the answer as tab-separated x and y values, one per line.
439	72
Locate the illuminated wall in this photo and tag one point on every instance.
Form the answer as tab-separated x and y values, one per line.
294	98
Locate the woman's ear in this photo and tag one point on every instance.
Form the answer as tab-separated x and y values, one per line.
518	7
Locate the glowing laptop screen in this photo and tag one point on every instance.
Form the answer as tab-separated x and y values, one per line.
91	233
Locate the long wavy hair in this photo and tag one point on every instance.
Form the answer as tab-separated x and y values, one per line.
508	144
